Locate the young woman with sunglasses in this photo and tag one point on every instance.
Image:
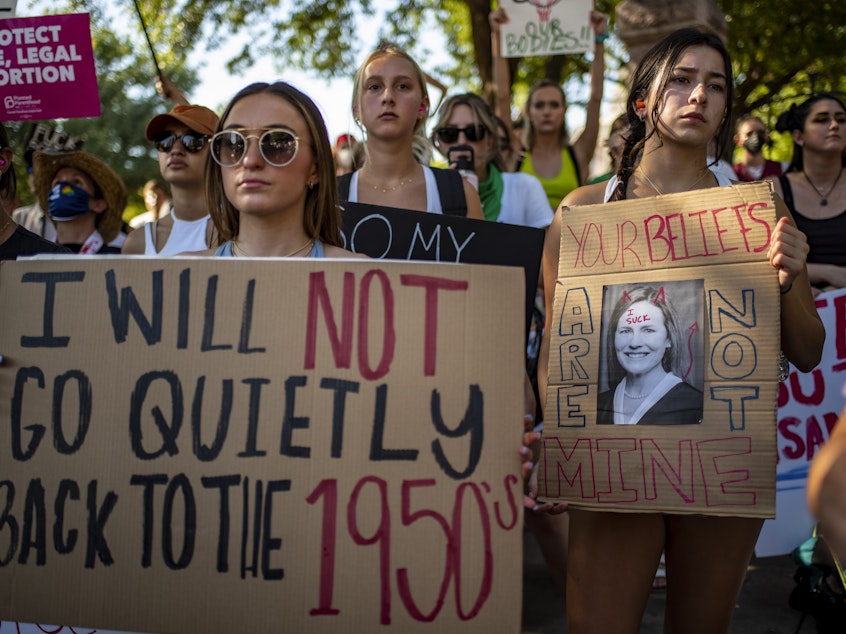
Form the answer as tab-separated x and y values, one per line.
391	104
182	140
515	198
270	177
559	165
680	99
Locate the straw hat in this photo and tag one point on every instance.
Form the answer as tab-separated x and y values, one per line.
45	166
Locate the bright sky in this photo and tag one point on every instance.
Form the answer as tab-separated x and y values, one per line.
333	97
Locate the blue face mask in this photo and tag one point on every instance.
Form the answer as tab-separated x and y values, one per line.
67	202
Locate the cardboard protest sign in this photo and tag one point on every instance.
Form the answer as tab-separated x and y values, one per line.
47	68
546	27
215	445
809	405
677	287
401	234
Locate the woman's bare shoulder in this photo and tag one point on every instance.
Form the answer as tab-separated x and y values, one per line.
586	195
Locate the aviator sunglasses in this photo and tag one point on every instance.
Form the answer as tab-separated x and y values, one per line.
449	134
193	142
277	147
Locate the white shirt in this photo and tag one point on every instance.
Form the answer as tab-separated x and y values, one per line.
185	236
524	201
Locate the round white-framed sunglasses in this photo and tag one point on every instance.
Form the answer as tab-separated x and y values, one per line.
277	146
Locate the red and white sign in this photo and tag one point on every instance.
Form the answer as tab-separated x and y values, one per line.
47	68
808	407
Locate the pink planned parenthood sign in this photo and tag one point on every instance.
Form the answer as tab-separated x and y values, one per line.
47	68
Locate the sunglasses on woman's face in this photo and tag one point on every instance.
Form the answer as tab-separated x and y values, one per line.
193	142
278	147
449	133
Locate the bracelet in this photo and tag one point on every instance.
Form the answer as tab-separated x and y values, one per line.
601	37
785	291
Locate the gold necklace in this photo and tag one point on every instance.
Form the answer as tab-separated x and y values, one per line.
385	189
823	197
238	248
660	193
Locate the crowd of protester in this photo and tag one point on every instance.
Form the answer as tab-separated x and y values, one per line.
264	180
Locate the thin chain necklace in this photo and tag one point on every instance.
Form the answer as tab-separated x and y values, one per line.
660	193
823	197
385	189
236	248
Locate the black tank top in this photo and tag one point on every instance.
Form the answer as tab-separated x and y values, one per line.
826	238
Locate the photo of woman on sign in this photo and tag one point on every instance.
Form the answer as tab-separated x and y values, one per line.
645	360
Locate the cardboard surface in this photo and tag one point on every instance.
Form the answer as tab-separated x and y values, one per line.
546	27
707	251
401	234
239	445
47	68
809	405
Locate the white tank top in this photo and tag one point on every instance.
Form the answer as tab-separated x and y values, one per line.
186	235
722	181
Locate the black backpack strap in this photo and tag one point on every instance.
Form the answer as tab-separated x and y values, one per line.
451	191
575	163
520	160
344	186
786	192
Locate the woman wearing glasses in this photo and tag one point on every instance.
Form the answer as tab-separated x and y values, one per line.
182	139
391	104
271	185
515	198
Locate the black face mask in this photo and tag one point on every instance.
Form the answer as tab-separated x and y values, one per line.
755	142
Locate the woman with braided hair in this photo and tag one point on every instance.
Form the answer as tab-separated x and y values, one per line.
679	101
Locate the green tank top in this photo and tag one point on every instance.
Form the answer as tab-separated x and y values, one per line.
559	185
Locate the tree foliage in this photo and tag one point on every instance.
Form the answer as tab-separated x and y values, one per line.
777	43
328	36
